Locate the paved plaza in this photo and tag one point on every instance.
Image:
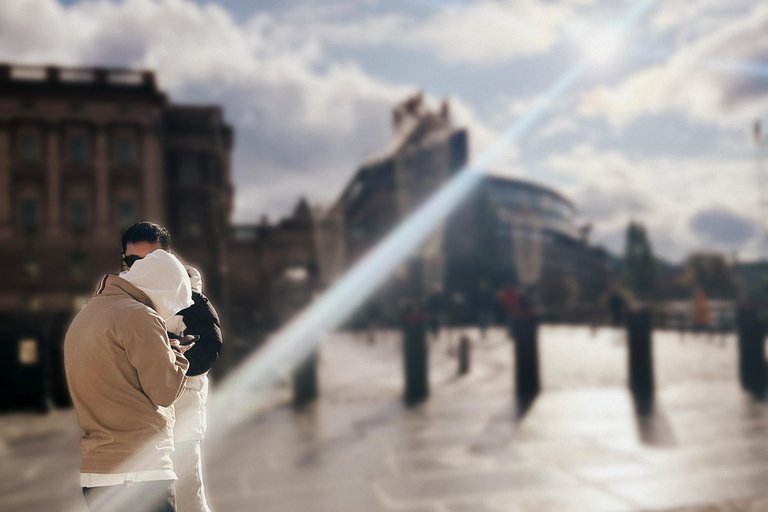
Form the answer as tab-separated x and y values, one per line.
581	446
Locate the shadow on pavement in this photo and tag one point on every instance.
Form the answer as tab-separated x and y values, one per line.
652	423
502	427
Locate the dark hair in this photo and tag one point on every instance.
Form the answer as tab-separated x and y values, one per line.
147	232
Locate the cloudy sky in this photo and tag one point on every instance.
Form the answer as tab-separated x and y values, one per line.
660	132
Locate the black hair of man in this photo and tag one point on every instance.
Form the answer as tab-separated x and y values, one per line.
147	232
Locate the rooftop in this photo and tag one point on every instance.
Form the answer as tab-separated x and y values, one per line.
94	81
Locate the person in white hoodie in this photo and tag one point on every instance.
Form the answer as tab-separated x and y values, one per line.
200	320
124	374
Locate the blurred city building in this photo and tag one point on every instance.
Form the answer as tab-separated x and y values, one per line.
84	153
515	232
510	232
266	260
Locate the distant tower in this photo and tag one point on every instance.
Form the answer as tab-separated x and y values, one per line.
762	209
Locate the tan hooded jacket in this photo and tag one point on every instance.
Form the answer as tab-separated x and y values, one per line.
122	374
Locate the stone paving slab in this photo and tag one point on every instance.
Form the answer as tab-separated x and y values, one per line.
581	446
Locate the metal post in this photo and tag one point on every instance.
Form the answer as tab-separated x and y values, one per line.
752	364
639	334
464	355
305	388
416	358
525	330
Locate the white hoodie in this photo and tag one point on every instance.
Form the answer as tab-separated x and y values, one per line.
165	281
169	284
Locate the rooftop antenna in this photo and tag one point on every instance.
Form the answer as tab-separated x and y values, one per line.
761	187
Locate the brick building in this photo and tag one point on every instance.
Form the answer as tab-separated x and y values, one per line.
268	257
85	152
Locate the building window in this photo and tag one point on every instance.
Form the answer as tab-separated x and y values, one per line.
189	171
30	214
127	213
79	261
78	214
125	150
78	149
30	147
31	264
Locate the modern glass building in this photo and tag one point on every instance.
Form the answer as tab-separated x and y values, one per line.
515	232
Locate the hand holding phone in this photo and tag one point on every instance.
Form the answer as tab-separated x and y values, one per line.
188	339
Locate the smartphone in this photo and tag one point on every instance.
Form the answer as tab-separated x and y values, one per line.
188	341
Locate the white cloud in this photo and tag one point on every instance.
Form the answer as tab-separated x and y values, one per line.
717	79
302	123
560	125
666	193
486	32
489	32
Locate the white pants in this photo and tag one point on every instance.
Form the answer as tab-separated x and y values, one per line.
190	494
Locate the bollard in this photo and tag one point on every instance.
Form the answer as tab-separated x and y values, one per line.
525	330
752	365
305	381
464	355
640	351
415	358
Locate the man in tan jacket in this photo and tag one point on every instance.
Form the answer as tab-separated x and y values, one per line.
123	374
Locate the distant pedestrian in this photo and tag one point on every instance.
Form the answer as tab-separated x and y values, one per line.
435	308
702	318
510	298
484	306
617	305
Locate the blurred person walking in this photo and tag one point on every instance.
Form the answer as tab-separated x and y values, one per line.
461	317
484	306
124	374
617	305
201	321
702	318
509	298
435	307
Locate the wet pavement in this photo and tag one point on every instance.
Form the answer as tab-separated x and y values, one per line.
581	446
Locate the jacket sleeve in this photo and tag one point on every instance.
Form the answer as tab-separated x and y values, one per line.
202	319
161	369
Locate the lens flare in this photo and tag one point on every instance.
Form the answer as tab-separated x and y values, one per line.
290	345
605	48
295	341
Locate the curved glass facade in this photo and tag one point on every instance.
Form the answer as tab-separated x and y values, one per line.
521	203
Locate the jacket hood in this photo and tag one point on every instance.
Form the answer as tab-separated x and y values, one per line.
196	278
162	277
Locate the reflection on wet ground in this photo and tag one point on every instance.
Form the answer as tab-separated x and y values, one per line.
584	443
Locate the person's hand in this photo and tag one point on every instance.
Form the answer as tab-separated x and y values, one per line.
183	344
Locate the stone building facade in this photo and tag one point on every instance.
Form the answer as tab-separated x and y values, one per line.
84	153
276	273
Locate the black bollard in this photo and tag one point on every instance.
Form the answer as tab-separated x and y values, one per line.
525	331
305	388
752	364
416	358
639	334
464	355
